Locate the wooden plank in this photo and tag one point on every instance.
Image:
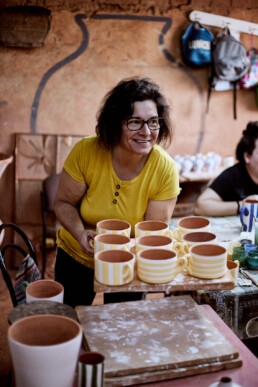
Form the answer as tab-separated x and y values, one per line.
155	335
182	282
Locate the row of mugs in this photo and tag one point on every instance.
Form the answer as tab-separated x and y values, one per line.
153	227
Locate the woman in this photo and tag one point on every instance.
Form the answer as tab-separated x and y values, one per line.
118	173
226	193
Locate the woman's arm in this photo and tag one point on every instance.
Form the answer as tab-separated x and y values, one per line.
209	203
160	210
67	201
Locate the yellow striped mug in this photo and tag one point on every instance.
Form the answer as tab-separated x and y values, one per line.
153	242
152	227
158	266
113	226
194	238
111	242
207	261
114	267
190	224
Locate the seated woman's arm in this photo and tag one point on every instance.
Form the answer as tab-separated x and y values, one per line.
160	210
209	203
67	201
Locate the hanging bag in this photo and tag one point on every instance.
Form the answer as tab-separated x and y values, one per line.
229	62
250	79
196	45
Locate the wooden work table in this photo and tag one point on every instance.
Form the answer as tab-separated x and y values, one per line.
165	339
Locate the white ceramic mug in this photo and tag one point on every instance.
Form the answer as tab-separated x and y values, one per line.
248	213
159	266
44	290
114	267
44	350
113	226
207	261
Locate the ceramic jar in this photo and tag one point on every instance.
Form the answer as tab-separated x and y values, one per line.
252	259
239	254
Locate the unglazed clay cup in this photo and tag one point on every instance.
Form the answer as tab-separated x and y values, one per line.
114	267
233	267
207	261
44	350
44	290
190	224
194	238
152	227
153	242
158	266
113	226
111	242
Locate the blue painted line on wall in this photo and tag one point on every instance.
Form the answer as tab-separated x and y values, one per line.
84	44
57	66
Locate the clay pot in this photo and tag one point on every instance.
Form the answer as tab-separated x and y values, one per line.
153	242
111	242
151	227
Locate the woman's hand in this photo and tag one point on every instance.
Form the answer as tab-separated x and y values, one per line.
85	239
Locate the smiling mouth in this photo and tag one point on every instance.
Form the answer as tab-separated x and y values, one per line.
142	141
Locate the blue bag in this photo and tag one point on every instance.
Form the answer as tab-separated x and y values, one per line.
196	45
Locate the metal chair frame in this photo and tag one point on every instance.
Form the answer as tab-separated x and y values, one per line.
4	270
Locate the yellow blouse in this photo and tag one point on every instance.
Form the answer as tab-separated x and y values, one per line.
107	196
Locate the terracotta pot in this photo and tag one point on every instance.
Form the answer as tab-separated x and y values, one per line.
190	224
91	369
44	350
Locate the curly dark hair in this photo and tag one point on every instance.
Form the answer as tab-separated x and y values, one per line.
247	142
118	105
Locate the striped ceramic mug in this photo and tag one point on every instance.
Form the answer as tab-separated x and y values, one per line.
152	227
158	266
91	369
207	261
111	242
114	267
113	226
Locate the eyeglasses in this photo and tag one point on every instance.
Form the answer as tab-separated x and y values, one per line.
135	123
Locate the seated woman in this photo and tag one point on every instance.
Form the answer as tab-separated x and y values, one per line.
120	172
225	194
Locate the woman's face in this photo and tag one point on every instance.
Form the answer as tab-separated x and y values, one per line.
140	142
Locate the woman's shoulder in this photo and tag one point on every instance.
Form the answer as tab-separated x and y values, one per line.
162	155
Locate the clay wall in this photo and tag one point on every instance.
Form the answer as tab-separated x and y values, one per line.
57	89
